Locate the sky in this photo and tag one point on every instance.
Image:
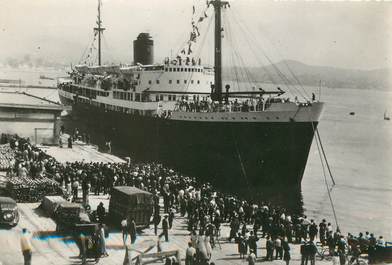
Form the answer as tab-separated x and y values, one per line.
340	34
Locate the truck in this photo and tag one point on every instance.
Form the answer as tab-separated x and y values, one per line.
131	203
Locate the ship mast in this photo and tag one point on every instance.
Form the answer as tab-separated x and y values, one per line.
99	29
218	4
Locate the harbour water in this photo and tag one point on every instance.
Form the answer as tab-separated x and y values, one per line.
358	148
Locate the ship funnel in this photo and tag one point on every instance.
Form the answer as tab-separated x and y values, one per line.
143	49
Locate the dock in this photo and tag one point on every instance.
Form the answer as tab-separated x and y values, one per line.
52	248
80	152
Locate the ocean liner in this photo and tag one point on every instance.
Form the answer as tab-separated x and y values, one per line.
179	113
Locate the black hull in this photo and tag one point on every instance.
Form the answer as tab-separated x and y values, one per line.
234	156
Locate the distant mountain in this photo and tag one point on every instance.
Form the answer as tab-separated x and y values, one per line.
310	75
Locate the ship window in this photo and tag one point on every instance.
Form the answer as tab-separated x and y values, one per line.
198	82
170	81
131	98
178	69
156	97
191	81
174	97
182	69
174	69
170	69
157	81
128	96
170	97
137	96
178	81
184	81
149	82
161	97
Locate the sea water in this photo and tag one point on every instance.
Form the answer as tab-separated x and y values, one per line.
359	151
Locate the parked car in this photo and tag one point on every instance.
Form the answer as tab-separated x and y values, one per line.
9	214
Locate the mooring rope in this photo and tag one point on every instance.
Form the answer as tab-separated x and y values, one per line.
325	157
325	176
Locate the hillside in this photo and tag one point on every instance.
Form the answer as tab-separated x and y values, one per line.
311	75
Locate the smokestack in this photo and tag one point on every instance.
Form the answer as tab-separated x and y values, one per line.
143	49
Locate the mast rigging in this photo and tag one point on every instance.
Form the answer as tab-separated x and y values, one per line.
99	29
217	89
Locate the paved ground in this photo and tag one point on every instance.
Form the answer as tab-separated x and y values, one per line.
79	152
50	248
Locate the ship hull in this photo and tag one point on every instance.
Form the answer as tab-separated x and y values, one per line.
233	156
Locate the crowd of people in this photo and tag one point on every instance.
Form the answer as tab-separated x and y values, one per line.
205	209
207	105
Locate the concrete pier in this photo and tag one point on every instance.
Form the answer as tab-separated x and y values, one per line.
52	248
79	152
